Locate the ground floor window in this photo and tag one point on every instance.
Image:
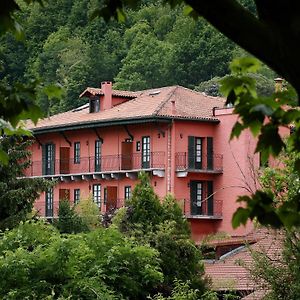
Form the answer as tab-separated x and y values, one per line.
127	192
49	203
76	196
97	194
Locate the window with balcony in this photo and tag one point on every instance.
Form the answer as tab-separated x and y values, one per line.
98	146
97	194
146	152
48	157
49	203
201	195
77	153
194	152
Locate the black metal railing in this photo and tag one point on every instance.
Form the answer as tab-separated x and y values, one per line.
106	163
207	208
209	163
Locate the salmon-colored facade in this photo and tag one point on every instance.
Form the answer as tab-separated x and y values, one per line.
178	136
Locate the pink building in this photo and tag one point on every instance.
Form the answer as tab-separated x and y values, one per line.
178	136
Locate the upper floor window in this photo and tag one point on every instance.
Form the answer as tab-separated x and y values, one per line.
146	152
194	152
94	105
98	146
97	194
48	157
77	153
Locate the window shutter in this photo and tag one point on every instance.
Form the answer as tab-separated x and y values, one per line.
210	153
43	159
191	152
210	200
193	199
53	161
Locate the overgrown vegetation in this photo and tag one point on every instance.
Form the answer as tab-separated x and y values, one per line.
17	194
145	252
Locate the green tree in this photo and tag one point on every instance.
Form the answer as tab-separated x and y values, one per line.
162	226
68	220
17	194
89	212
277	271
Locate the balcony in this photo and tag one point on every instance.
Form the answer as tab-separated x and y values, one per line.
185	164
207	209
105	167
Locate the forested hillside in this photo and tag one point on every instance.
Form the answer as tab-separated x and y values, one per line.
156	46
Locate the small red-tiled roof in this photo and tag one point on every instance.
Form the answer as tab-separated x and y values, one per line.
117	93
166	102
231	271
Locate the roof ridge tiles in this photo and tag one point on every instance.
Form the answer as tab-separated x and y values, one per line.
162	104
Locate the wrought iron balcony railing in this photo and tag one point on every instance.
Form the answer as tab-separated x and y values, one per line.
207	163
209	208
107	163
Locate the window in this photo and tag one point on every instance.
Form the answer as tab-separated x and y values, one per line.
199	194
195	152
127	192
138	146
146	152
98	155
94	105
97	194
49	203
76	196
77	153
48	159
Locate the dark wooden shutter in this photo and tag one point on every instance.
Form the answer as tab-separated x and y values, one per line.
210	153
191	152
210	200
193	197
43	159
53	161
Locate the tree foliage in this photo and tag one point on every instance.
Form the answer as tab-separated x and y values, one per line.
17	194
162	226
68	220
36	262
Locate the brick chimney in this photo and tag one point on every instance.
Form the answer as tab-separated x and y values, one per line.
106	88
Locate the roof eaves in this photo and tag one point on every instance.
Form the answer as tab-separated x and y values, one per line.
97	123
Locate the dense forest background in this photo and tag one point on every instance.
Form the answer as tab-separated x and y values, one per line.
156	46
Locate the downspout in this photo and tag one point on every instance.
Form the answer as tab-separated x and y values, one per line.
173	149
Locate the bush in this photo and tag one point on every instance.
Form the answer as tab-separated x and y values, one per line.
36	262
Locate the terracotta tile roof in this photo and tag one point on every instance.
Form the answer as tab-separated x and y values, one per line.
118	93
230	272
173	102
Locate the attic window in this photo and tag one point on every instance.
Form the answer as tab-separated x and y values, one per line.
94	105
154	93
